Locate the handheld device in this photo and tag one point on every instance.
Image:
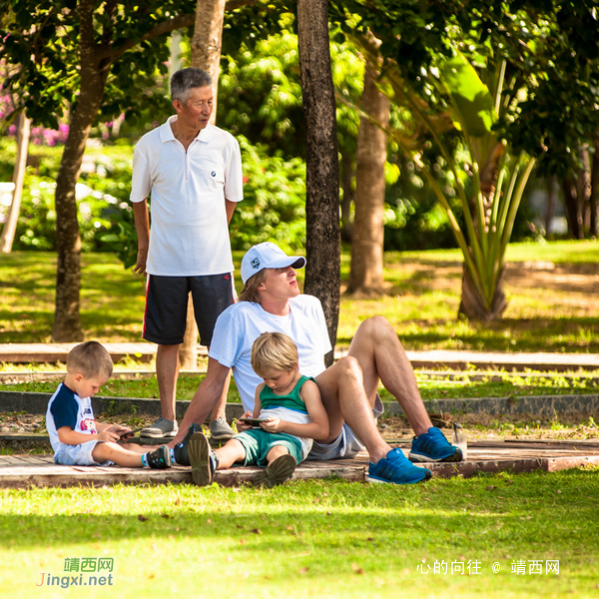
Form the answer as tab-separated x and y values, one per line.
135	430
253	421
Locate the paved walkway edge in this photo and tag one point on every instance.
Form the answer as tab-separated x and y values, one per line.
440	358
541	406
29	471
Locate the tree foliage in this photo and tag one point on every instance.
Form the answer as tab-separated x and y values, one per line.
69	54
44	40
469	75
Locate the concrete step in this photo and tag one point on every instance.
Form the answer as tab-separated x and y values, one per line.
543	406
452	359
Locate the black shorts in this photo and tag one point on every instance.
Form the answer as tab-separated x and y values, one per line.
166	306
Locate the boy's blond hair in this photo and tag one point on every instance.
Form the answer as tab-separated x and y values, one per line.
90	359
274	351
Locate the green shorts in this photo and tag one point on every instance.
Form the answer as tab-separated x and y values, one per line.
257	443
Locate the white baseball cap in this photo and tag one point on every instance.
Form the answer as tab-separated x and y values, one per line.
267	255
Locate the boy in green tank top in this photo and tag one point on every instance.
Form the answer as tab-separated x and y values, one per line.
291	416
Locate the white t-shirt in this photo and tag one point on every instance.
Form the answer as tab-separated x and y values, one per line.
240	324
66	408
189	234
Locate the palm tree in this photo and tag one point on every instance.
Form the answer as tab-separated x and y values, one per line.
487	177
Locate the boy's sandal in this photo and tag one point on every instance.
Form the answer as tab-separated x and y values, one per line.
277	472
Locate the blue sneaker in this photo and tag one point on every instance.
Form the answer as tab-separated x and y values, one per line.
434	447
396	469
202	460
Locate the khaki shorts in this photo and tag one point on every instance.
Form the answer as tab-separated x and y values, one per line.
346	445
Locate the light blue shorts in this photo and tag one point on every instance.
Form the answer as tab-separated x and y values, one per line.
346	445
78	455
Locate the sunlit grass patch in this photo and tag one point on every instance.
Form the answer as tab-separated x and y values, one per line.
321	538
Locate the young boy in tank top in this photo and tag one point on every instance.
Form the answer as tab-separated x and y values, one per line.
291	413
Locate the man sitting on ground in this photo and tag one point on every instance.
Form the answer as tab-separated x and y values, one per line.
271	301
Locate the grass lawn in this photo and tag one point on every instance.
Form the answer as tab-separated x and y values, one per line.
552	292
431	387
311	539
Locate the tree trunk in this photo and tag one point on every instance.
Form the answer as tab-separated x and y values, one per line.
174	44
594	228
472	305
188	351
367	243
205	54
67	321
10	226
573	209
347	176
207	41
322	163
551	197
584	188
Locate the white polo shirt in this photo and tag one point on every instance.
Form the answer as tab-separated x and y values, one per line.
189	235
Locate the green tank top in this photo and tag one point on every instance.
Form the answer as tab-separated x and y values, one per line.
291	401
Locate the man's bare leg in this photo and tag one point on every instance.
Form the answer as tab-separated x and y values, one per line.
344	379
167	373
382	357
209	392
342	391
219	427
220	409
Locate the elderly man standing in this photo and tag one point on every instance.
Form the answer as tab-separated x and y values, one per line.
271	301
192	172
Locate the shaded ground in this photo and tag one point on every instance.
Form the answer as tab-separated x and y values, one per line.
483	426
575	285
551	307
476	426
553	304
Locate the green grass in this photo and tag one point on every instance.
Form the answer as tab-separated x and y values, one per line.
431	387
112	299
559	252
144	388
309	539
548	310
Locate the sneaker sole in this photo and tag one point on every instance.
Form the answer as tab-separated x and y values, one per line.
158	435
380	481
456	456
278	471
181	453
223	437
199	459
